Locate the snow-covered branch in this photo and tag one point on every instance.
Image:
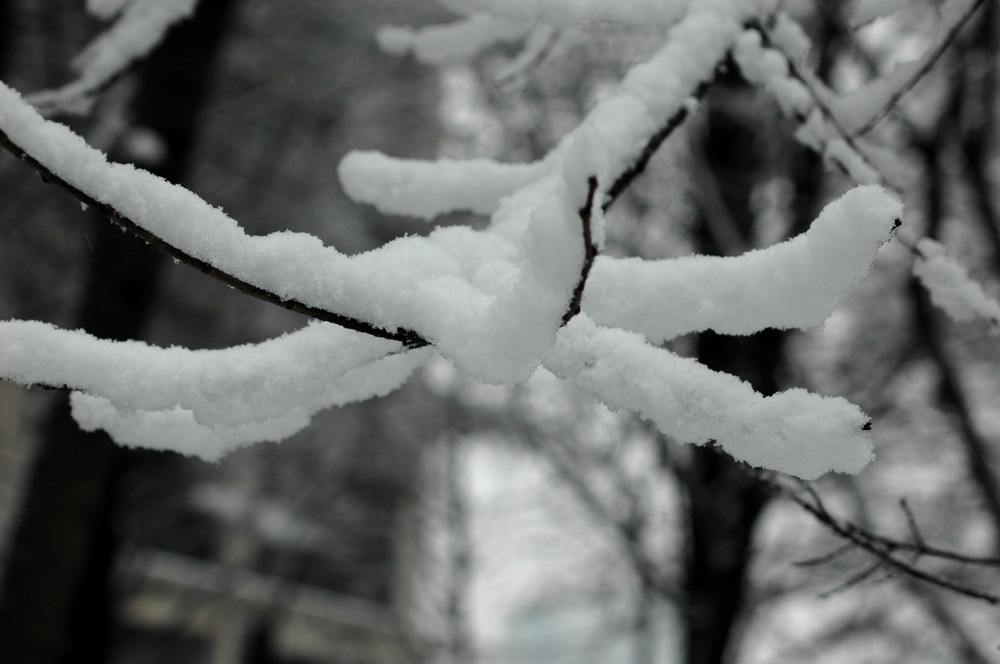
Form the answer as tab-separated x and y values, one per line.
219	398
655	96
950	286
527	289
139	28
644	13
793	431
795	284
834	126
455	42
491	301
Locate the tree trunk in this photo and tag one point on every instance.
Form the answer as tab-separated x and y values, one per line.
724	503
55	598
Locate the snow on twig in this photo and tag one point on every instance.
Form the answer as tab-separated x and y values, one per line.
794	284
950	287
654	98
793	431
498	301
913	73
636	13
455	42
221	398
490	300
825	130
137	31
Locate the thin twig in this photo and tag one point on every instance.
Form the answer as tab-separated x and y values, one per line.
589	250
652	145
821	105
882	548
855	580
922	71
825	558
911	523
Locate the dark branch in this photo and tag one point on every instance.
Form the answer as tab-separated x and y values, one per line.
821	106
884	549
626	178
408	338
589	250
922	71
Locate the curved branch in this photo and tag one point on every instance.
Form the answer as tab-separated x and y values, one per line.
408	338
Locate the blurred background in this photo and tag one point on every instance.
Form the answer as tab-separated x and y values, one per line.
457	522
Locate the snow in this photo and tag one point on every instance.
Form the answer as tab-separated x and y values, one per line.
794	284
456	42
221	399
805	98
794	432
866	11
565	12
828	133
950	287
139	28
649	94
106	9
491	300
426	189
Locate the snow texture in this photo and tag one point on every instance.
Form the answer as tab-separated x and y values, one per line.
793	432
795	284
219	399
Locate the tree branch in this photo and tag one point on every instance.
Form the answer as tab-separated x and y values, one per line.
820	105
882	548
409	338
625	179
589	250
922	71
